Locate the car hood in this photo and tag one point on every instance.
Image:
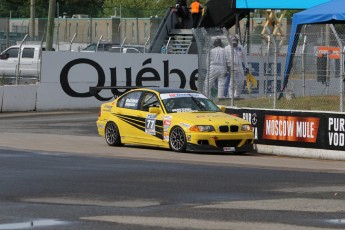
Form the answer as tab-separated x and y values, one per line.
202	118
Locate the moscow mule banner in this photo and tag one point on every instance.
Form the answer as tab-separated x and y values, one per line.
296	129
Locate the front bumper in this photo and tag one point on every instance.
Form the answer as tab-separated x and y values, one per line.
210	142
211	149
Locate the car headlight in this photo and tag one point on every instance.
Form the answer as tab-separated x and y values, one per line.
246	127
202	128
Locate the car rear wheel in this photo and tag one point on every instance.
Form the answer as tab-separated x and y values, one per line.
177	139
112	134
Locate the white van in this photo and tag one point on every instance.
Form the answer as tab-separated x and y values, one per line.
27	61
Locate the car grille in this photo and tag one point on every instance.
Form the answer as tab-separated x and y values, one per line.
225	128
227	143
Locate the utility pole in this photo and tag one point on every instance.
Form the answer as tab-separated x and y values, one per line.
50	29
32	19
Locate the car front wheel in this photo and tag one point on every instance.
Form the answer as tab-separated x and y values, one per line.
177	139
112	134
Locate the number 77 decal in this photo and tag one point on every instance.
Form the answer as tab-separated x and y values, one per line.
150	124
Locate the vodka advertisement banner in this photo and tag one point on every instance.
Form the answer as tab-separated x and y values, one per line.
296	129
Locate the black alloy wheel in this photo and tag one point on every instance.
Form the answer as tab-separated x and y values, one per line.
112	134
177	139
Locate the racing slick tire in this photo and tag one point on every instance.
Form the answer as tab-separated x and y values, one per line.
177	139
112	134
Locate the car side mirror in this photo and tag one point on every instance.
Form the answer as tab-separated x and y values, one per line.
4	56
222	108
156	110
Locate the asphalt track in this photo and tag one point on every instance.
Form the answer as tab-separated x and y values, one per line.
74	132
56	170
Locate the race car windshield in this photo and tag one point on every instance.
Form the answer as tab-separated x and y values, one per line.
188	102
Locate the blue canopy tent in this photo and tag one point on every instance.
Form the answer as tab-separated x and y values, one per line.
326	13
274	4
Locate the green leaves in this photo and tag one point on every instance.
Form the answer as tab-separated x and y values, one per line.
93	8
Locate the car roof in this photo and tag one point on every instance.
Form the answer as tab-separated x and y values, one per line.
169	90
143	88
25	45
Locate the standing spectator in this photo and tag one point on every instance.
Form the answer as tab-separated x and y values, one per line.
240	62
182	13
216	60
196	9
227	82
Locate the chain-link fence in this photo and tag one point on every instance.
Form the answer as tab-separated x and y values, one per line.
81	33
127	26
317	69
316	72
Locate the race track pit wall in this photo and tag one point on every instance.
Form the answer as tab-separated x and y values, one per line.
296	133
16	98
1	97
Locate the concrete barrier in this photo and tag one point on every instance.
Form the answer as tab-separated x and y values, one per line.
300	152
1	96
49	97
18	98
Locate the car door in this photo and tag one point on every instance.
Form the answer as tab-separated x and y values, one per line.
8	62
153	122
29	62
131	121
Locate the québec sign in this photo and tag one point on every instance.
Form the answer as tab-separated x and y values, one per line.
66	77
149	73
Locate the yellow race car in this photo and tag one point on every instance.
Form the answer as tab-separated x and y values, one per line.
177	119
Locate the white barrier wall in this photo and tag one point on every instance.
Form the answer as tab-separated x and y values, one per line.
1	96
67	76
18	98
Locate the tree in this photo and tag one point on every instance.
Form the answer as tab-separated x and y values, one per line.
21	8
92	8
138	8
289	13
135	8
14	8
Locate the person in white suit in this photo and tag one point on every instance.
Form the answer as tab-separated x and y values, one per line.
239	64
217	68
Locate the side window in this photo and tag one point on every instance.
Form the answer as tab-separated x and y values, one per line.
132	50
28	53
91	47
115	49
130	100
149	100
13	53
101	47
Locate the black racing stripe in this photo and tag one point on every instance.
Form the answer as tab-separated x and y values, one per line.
139	123
136	122
138	126
159	122
142	119
159	129
159	135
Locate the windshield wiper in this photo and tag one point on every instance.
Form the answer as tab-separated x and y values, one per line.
197	102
